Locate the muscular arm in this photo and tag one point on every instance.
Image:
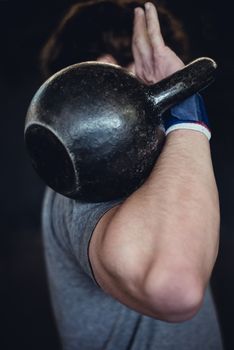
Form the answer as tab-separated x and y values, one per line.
155	252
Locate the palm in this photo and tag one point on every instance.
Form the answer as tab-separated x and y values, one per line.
153	60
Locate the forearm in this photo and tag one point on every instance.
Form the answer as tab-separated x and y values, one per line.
178	205
164	237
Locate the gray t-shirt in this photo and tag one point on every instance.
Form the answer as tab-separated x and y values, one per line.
88	318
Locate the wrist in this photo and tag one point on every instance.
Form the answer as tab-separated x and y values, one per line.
188	140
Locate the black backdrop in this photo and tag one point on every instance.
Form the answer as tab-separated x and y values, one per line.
26	318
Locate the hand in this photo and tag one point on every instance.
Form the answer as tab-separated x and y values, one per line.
153	60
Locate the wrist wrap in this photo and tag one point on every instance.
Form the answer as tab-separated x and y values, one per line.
189	114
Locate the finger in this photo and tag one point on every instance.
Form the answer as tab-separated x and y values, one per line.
140	35
141	46
135	51
107	59
153	27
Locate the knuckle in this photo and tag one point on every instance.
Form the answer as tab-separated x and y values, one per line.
157	54
150	79
151	32
148	76
139	71
137	41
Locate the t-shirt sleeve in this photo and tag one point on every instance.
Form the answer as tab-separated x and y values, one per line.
76	222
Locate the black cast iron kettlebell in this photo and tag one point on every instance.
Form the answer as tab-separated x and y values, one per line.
94	131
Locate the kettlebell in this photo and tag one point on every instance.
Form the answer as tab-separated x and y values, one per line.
94	131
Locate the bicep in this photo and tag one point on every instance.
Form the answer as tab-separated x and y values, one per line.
117	264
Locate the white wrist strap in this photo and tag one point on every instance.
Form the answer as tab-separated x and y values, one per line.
190	126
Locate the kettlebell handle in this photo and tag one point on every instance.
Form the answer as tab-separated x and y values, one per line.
194	77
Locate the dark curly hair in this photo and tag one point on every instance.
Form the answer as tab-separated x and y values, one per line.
92	28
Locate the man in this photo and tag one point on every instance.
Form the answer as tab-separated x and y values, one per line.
133	274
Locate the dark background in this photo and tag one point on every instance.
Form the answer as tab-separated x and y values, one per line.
25	313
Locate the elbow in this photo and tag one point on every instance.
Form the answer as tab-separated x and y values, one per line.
173	297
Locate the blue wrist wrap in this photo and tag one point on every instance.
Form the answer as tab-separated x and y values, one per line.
189	114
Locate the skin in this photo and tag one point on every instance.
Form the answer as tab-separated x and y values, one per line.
156	251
